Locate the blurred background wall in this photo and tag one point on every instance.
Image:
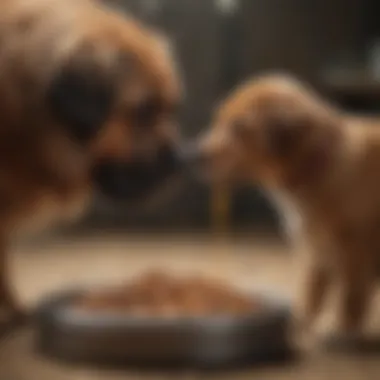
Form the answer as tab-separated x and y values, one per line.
334	44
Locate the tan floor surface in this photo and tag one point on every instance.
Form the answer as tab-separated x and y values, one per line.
40	269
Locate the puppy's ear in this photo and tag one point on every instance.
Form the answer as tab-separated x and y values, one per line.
81	97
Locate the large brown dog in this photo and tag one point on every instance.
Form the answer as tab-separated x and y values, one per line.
86	97
323	167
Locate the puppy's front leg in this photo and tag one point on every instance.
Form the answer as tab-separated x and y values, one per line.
313	288
356	288
312	291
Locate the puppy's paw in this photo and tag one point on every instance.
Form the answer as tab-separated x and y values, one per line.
301	333
335	338
343	341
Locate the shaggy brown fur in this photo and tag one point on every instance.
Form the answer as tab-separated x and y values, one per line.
80	87
322	168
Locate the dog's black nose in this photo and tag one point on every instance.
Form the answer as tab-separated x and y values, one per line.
169	159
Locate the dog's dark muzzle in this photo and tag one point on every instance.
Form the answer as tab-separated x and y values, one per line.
137	179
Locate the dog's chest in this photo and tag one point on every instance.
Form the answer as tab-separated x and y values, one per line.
290	215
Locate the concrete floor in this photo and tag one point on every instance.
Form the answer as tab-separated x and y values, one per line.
42	268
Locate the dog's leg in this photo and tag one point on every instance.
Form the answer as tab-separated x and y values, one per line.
313	286
313	290
356	288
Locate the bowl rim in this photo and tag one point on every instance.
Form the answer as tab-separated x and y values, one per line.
60	306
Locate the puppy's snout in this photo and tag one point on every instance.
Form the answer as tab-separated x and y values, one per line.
191	155
213	156
193	159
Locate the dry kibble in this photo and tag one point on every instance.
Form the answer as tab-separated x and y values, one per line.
157	294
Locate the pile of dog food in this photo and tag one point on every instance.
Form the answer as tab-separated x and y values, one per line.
158	294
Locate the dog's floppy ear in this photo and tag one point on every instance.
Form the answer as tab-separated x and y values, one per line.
81	96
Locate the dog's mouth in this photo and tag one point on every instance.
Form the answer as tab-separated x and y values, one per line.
137	179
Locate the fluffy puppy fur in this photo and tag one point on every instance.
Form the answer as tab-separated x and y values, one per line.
87	98
322	167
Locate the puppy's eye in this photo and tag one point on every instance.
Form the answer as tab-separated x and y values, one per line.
146	114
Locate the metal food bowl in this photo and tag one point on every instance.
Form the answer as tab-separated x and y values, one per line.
67	333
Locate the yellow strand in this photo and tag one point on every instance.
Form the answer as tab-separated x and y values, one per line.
221	225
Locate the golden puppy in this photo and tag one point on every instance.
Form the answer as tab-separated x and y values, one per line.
322	168
86	98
